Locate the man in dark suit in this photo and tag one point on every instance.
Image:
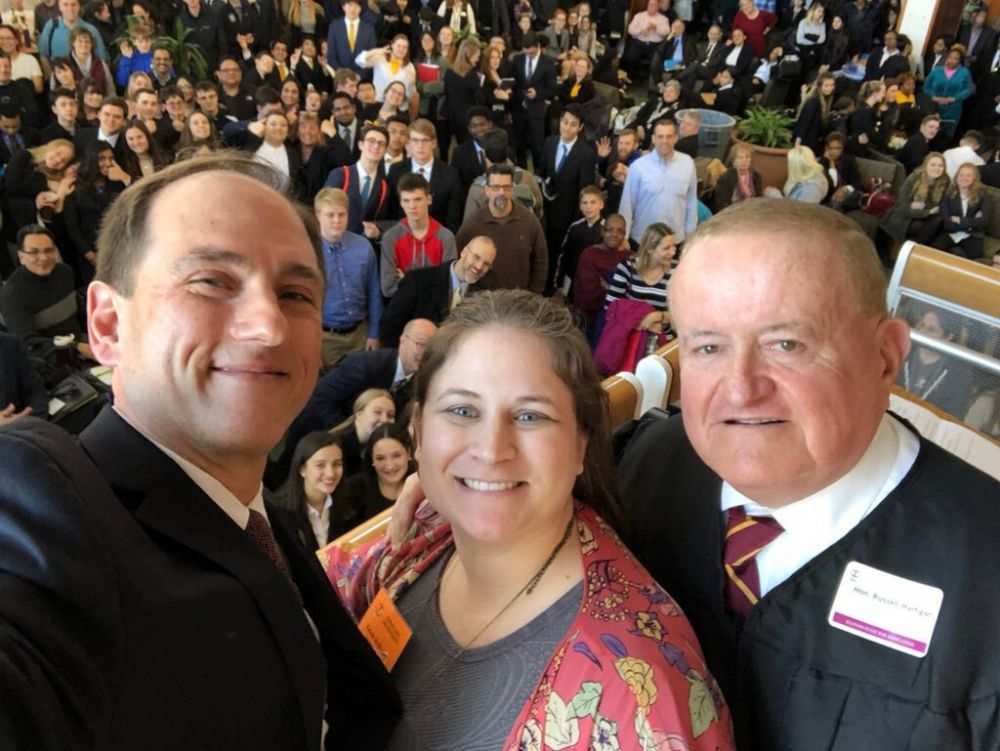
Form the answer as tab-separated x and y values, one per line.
711	55
432	292
468	158
111	128
920	144
333	399
678	49
448	200
568	166
22	391
425	21
980	40
348	37
729	95
145	597
13	135
365	183
886	61
534	82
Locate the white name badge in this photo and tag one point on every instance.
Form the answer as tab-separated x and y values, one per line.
887	609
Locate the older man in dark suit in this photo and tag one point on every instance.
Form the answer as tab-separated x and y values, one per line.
390	368
146	599
433	292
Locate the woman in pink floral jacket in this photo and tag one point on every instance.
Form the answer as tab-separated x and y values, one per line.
511	425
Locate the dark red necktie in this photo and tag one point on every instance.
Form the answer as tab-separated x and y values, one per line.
260	532
746	536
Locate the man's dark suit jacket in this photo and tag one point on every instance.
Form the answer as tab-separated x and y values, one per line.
20	383
714	64
543	80
323	160
338	50
135	614
794	682
577	171
377	206
30	136
729	100
894	65
422	293
332	401
84	137
665	51
986	45
446	191
465	160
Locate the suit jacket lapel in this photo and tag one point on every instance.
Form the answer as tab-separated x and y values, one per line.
164	499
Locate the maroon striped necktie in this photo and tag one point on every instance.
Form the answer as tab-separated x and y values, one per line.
745	537
260	531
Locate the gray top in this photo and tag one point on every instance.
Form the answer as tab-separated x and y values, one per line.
457	700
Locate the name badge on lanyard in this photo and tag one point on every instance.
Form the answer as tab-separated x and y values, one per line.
886	609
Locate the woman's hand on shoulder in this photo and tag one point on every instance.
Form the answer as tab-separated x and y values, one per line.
411	496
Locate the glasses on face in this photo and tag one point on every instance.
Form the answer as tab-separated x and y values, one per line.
504	188
375	142
35	252
229	70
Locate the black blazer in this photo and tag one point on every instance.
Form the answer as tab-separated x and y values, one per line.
446	190
577	171
325	158
713	64
20	383
84	137
894	65
82	213
744	61
332	400
461	93
951	206
185	633
30	136
465	160
315	75
543	80
585	94
731	100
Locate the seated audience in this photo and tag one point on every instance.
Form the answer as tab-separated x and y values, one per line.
916	215
806	178
964	215
311	494
738	183
37	183
842	174
516	567
387	462
372	408
646	278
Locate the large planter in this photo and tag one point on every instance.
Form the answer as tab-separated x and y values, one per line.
772	164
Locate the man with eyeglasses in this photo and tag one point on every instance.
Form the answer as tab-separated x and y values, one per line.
237	99
163	68
522	256
365	183
446	204
38	301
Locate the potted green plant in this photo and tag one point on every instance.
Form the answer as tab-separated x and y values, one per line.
189	60
769	133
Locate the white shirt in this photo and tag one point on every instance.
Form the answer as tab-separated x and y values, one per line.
815	523
956	157
26	66
428	169
113	140
276	156
320	521
230	505
734	55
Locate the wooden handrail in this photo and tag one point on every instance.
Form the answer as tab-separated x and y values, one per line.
950	278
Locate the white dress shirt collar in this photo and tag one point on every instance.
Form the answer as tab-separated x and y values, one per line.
319	521
816	522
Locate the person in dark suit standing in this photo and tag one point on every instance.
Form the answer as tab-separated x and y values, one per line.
433	291
365	183
13	136
332	401
980	39
349	36
534	82
468	158
886	61
446	191
568	166
147	595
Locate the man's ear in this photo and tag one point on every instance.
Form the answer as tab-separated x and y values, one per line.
894	345
103	303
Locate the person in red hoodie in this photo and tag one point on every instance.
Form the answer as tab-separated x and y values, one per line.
418	239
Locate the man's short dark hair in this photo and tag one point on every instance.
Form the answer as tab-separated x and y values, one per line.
123	240
139	92
835	137
227	58
168	91
116	101
476	110
61	93
529	40
33	229
206	85
413	181
266	95
496	145
10	110
398	119
373	128
499	169
343	95
575	110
